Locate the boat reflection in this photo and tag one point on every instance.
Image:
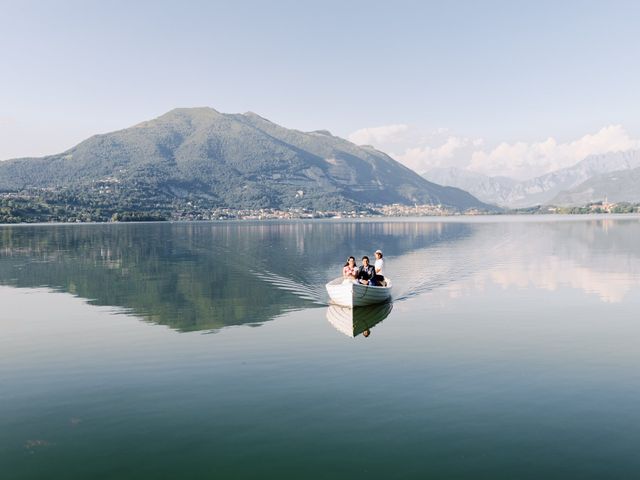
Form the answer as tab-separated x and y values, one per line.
359	320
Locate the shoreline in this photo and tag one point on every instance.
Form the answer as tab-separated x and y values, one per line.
454	218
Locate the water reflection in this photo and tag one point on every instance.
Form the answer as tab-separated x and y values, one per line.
204	276
359	320
598	257
481	383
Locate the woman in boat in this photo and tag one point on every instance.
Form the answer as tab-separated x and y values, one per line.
350	270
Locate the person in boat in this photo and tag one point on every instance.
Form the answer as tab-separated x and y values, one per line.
366	273
379	267
350	270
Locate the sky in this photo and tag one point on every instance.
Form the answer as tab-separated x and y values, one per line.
516	88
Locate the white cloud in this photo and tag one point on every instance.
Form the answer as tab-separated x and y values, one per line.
526	160
418	149
424	158
422	151
378	135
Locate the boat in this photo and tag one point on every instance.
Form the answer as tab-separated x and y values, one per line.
351	294
354	321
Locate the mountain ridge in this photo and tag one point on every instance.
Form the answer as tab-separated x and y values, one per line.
539	190
228	160
616	187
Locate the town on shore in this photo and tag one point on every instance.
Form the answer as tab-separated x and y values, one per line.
21	208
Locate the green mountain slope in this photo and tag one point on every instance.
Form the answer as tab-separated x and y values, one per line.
227	160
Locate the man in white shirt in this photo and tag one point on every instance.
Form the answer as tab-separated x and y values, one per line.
379	266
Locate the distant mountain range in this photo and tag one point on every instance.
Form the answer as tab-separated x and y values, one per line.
498	189
238	161
615	187
585	182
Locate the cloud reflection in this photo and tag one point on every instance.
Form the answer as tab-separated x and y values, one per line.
598	258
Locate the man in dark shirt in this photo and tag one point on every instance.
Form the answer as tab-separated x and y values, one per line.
366	273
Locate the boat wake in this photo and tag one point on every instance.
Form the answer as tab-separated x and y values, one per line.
429	269
413	274
314	294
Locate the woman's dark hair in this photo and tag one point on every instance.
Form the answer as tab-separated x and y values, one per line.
354	261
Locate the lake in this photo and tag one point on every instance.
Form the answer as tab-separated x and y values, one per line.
208	350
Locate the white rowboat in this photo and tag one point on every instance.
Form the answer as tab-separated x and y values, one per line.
350	294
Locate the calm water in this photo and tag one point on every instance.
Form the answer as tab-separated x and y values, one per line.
208	351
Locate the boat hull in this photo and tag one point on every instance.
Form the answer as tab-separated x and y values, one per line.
353	321
357	295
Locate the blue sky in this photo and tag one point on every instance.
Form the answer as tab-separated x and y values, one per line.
490	72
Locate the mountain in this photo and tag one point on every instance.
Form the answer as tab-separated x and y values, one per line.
213	159
536	191
615	187
497	189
